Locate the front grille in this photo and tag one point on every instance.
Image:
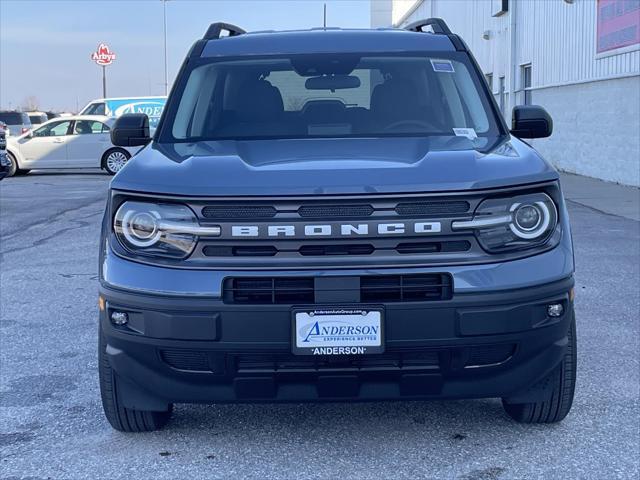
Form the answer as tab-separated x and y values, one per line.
332	231
373	289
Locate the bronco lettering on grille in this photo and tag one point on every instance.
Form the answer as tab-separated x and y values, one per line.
329	230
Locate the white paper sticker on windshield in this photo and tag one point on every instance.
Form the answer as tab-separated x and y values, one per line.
442	66
470	133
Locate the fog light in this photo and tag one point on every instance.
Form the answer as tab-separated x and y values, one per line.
119	318
555	310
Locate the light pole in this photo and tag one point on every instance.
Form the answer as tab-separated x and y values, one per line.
166	67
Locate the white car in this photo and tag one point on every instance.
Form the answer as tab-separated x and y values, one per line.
81	141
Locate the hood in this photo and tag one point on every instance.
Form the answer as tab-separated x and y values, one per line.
329	166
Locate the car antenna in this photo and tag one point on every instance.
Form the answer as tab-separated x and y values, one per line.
325	16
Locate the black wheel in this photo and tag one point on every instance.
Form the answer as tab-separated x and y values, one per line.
114	159
13	167
563	381
121	418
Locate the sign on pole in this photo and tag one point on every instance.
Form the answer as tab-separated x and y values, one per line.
103	57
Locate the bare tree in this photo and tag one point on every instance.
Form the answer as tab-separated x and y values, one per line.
30	103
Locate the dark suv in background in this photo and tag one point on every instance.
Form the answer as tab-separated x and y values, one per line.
334	215
4	161
17	122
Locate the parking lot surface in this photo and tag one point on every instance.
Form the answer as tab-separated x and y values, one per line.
52	426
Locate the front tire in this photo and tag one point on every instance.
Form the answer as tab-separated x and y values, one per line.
121	418
13	167
114	160
563	379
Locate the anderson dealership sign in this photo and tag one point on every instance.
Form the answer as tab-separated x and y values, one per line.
618	24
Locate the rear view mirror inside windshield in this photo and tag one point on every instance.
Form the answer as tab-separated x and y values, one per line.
332	82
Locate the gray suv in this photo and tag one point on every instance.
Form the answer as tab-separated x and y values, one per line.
334	215
17	122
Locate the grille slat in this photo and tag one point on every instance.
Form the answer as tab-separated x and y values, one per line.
405	288
335	211
315	250
227	212
345	249
291	364
192	360
454	207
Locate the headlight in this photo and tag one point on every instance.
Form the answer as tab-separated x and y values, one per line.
159	229
503	224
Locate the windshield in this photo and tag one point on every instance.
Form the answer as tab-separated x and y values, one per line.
94	109
338	95
37	119
14	118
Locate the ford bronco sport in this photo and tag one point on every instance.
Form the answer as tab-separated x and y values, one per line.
334	215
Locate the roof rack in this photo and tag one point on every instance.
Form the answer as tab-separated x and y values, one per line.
215	29
438	25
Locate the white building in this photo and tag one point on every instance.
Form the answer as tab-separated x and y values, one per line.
580	59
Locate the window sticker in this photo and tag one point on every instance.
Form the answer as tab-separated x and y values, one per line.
442	66
470	133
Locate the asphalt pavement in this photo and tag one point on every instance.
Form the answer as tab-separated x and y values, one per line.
52	425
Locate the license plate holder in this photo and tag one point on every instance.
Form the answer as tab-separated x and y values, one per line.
334	331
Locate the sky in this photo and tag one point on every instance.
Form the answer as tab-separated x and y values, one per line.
45	45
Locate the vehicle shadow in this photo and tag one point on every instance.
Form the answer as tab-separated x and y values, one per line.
61	173
376	419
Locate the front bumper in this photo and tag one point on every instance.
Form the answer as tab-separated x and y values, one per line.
181	349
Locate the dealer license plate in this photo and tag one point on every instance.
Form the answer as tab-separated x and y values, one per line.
337	331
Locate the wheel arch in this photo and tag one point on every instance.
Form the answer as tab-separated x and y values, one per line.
15	155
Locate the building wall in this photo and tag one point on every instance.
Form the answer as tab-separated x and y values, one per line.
596	129
594	98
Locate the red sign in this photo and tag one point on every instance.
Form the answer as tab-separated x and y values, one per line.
103	56
618	24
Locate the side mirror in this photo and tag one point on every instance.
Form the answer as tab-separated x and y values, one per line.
531	121
131	130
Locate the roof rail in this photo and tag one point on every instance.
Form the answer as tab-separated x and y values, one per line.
438	25
215	29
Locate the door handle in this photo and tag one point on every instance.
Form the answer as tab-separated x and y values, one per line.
58	140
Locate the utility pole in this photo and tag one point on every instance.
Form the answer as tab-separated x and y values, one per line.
166	67
104	81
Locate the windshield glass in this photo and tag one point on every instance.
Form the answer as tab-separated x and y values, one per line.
37	119
94	109
338	95
14	118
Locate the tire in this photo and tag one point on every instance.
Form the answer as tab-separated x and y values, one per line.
121	418
563	379
113	160
13	168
